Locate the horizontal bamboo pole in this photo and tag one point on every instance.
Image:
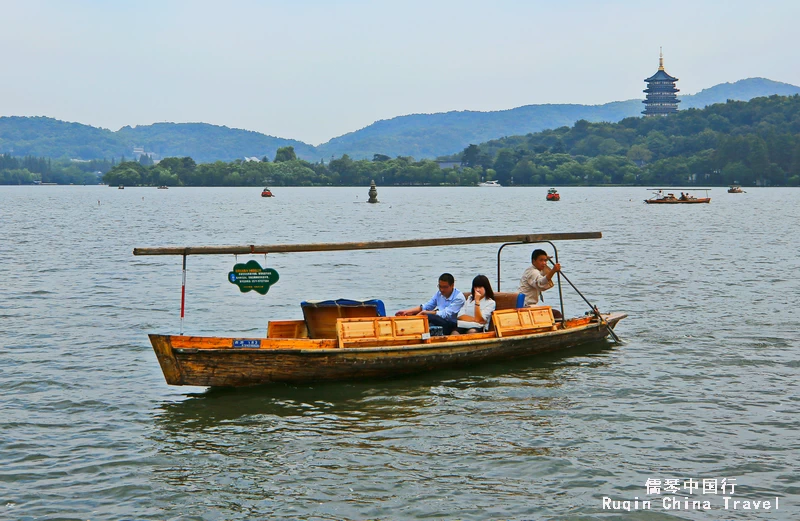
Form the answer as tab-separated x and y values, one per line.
373	245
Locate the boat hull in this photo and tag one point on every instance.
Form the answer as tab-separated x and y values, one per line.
223	366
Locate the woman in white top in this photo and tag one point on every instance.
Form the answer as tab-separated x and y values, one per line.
476	312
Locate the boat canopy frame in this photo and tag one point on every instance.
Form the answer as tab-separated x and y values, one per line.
558	274
252	249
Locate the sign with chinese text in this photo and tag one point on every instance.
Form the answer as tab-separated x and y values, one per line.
251	276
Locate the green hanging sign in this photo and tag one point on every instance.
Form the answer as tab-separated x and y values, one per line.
251	276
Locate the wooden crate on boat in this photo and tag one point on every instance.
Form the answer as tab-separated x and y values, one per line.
287	329
523	321
382	331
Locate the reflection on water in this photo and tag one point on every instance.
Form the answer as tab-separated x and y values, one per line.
356	403
346	445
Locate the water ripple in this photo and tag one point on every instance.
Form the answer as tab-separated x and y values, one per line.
704	385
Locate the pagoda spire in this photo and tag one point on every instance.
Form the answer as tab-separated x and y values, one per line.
660	60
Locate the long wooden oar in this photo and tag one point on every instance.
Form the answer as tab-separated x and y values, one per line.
594	308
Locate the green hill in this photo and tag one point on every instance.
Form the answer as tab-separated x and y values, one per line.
207	143
752	143
48	137
416	135
434	135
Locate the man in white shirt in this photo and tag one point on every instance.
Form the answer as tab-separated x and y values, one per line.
537	278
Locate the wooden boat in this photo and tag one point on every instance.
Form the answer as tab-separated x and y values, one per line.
552	195
266	192
735	189
338	340
659	197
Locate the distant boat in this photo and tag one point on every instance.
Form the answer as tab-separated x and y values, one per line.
736	189
266	192
552	195
490	183
163	187
121	187
660	198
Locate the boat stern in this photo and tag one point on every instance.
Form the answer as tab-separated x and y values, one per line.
613	318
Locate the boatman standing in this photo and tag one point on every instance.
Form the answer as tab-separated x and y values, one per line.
442	309
537	278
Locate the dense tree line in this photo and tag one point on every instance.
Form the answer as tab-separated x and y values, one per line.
755	142
30	170
287	170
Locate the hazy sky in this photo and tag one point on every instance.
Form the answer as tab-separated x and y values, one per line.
313	70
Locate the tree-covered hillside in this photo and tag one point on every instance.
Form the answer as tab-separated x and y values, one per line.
48	137
419	135
434	135
748	143
755	142
208	143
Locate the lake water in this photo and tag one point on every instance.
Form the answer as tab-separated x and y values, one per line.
703	388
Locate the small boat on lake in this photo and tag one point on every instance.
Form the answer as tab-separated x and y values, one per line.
351	339
553	195
492	183
266	192
660	197
121	187
163	187
736	189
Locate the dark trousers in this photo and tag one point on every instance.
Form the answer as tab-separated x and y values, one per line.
446	325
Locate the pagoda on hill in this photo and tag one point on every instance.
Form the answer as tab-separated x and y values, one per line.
661	92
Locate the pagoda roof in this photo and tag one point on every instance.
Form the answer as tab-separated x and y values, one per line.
661	75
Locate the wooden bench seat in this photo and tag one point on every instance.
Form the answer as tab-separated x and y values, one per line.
382	331
523	321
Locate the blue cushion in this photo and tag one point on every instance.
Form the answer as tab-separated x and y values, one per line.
377	304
